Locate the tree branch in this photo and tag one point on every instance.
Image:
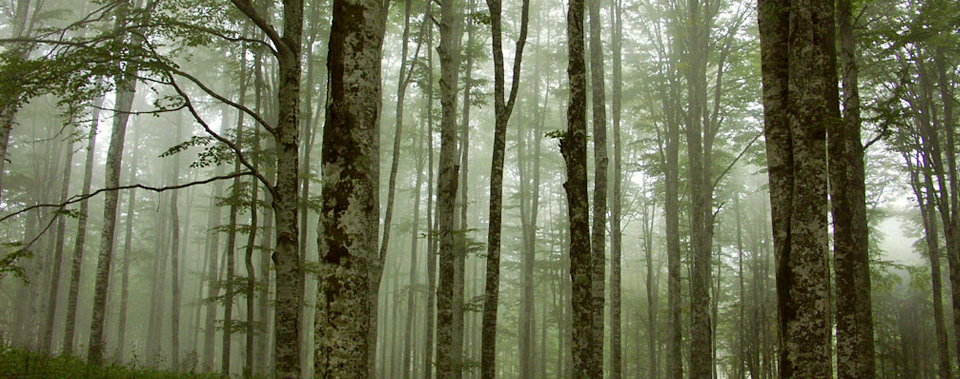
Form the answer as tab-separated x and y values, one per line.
730	166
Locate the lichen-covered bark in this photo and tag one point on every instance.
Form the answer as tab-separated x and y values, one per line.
573	147
447	182
799	87
855	347
80	239
349	217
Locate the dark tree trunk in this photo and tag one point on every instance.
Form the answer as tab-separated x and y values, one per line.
348	228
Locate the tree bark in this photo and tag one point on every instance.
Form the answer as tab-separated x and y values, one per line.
598	234
175	257
213	289
855	346
428	356
449	52
126	88
800	101
127	248
348	228
573	147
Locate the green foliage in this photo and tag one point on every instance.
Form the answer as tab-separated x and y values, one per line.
25	364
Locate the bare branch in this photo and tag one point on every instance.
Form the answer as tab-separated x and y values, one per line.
730	166
79	198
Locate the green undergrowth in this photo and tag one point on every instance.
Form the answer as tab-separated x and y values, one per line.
15	363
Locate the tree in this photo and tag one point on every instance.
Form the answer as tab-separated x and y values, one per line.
855	347
573	147
503	107
349	217
800	101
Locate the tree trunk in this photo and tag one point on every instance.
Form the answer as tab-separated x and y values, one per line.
213	289
502	110
573	147
348	228
429	362
855	347
175	257
231	249
800	100
449	52
127	248
616	348
126	88
598	238
54	286
79	240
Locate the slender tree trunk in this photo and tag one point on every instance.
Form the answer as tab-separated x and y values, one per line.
428	356
460	223
598	241
348	228
213	289
408	344
855	346
449	52
616	348
54	286
231	248
502	110
573	147
79	240
126	87
175	257
127	248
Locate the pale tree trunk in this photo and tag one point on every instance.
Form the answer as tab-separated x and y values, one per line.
924	193
251	279
54	286
741	339
349	221
502	109
855	347
449	52
460	223
78	242
175	256
231	248
573	147
127	248
213	288
126	87
616	245
158	284
671	208
648	213
598	234
800	100
408	344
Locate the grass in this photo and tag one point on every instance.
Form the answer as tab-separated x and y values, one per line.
17	364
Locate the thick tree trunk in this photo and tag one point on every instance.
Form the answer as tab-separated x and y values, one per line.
79	241
126	88
348	228
800	100
573	147
855	351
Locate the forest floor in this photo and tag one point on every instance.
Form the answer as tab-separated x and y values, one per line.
15	363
